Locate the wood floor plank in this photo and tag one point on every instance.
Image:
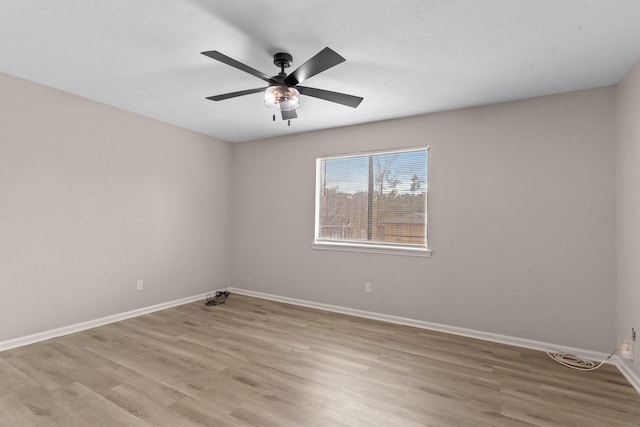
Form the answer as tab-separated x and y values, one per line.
16	413
252	362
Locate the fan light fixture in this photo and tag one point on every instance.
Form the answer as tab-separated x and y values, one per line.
283	93
281	98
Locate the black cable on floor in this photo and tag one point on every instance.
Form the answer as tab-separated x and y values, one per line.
220	298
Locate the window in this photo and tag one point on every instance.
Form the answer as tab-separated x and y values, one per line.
373	201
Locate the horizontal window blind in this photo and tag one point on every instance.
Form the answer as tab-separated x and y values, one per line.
377	198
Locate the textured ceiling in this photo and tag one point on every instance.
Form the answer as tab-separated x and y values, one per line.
404	57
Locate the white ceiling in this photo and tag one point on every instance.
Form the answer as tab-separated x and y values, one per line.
404	57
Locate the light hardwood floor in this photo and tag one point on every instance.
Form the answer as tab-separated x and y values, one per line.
252	362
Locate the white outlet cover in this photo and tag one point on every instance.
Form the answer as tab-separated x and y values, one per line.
626	348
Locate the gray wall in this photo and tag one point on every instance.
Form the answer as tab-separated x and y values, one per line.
93	198
628	142
522	211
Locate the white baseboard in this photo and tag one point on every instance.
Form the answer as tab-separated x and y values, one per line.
470	333
625	369
65	330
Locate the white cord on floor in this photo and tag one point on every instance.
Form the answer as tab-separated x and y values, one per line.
574	362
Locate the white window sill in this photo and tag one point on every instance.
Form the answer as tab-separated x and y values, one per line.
374	249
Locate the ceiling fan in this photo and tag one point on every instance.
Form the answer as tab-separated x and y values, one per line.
283	92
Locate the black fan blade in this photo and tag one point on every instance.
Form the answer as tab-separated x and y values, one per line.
235	94
340	98
288	115
323	60
214	54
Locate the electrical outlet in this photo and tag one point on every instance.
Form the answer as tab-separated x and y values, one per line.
633	334
367	287
139	285
626	348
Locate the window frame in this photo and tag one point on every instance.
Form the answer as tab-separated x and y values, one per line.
364	246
